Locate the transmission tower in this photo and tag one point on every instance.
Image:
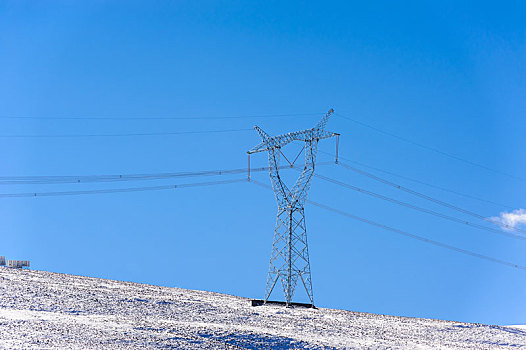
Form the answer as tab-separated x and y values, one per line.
289	260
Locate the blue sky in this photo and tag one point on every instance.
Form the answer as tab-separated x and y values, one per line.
450	75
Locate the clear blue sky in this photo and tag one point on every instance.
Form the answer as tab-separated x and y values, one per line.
450	75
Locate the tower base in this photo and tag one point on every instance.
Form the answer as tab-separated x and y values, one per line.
259	302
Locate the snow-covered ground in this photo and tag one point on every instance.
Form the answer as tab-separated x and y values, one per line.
44	310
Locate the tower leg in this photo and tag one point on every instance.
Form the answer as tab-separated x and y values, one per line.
289	260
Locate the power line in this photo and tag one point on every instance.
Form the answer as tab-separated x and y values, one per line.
429	198
429	148
423	210
77	179
419	238
25	180
125	135
118	190
422	182
407	234
161	118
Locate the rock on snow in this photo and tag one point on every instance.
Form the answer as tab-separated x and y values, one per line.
44	310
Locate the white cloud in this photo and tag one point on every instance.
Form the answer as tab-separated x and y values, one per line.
510	220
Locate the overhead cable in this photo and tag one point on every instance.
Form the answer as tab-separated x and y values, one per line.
429	198
70	179
420	238
119	190
429	148
157	117
477	198
407	234
122	134
423	210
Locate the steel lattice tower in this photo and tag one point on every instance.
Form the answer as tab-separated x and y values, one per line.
289	260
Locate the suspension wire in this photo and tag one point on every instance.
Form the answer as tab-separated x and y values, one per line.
163	118
150	188
429	148
421	182
25	180
429	198
118	190
124	135
407	234
420	238
70	179
421	209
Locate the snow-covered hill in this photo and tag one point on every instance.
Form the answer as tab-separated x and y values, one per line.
44	310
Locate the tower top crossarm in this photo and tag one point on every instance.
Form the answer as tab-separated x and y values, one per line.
316	133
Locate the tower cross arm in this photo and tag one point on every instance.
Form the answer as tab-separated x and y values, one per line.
263	146
278	141
282	140
314	134
326	134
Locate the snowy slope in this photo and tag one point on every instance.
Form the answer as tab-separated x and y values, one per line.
44	310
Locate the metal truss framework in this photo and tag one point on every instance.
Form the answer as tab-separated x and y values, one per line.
289	260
